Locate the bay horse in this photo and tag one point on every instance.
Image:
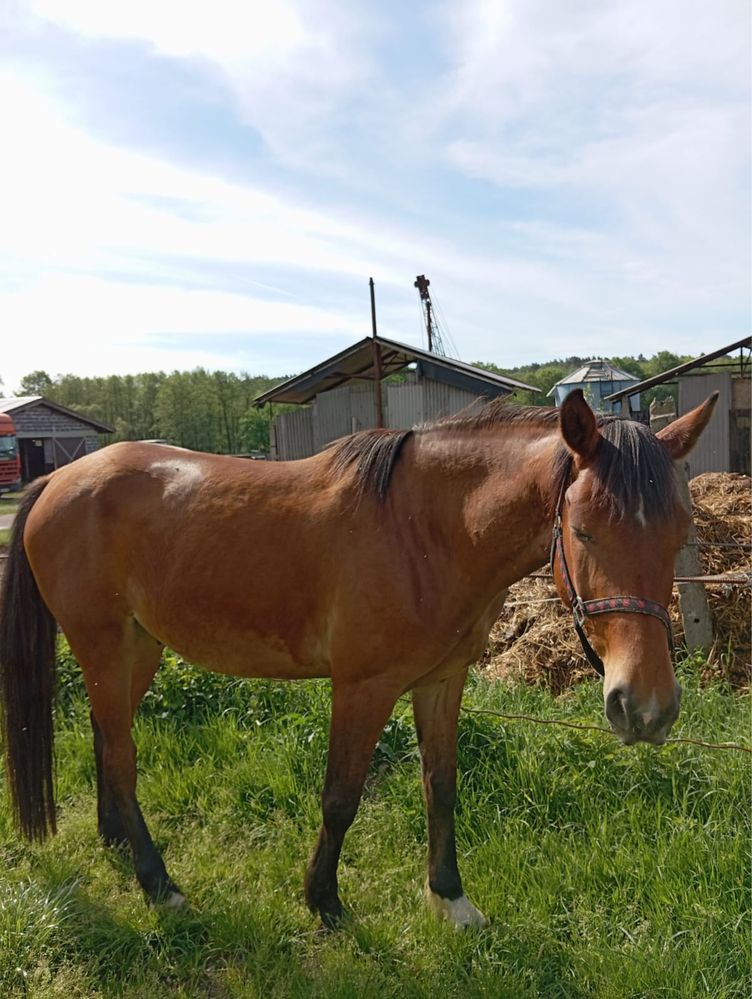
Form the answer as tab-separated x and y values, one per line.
381	562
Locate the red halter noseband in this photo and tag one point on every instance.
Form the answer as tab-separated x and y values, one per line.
583	609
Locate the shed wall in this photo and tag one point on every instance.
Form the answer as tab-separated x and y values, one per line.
344	410
292	434
410	404
711	454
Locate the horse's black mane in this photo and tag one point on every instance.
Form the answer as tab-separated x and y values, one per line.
632	469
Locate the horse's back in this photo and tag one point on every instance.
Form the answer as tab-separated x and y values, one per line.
219	557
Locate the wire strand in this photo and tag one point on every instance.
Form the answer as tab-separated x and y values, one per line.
599	728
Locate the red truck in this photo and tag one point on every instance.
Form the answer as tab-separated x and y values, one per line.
10	461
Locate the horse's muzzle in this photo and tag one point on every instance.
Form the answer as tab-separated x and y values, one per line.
634	722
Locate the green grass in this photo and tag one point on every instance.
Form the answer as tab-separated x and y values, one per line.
605	872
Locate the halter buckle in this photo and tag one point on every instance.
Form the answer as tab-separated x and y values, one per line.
579	611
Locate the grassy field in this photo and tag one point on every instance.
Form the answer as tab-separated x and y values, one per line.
605	872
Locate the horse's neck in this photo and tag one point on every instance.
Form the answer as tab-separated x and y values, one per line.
496	484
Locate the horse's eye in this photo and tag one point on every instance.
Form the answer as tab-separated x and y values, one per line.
582	535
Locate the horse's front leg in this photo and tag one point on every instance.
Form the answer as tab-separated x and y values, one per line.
436	709
359	713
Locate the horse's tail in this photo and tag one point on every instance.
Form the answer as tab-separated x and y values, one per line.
27	689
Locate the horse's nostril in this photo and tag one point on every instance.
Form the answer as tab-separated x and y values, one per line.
617	708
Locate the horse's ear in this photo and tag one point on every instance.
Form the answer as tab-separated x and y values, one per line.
681	436
578	426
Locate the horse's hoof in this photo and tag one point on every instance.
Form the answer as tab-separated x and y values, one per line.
173	900
460	912
332	920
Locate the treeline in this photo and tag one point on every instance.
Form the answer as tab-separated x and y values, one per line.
211	410
546	375
202	410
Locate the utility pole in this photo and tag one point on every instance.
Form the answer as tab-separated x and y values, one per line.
376	361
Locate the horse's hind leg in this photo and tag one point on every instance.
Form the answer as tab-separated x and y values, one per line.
436	708
118	663
110	824
359	713
143	667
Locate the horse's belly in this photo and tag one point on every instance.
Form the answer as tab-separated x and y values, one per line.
254	659
240	650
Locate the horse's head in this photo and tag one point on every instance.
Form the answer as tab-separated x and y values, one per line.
622	523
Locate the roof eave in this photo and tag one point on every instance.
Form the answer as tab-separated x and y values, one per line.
305	387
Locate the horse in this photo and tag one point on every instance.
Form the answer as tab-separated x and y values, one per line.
381	562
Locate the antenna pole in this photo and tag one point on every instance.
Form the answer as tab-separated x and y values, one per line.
376	361
373	307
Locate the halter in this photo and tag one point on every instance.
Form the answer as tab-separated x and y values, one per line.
583	609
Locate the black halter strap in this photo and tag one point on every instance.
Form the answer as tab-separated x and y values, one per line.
583	609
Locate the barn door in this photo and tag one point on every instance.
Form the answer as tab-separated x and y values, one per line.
67	449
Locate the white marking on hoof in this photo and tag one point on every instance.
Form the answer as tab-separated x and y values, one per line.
460	912
174	900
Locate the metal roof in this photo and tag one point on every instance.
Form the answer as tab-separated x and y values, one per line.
357	363
698	362
30	401
598	370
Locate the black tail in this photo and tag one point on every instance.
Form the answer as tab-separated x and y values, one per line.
27	665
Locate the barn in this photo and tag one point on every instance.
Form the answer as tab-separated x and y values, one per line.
356	390
50	435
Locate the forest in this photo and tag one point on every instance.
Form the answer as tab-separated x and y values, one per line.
211	410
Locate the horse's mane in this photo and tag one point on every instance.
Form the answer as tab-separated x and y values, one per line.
632	469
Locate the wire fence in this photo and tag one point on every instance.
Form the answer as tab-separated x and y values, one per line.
599	728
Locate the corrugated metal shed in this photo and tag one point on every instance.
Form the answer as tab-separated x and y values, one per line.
741	345
340	394
292	435
358	363
414	403
711	453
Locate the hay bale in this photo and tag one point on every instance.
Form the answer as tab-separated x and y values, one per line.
534	640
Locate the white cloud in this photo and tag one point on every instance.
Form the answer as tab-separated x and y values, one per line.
224	31
88	326
590	163
291	65
70	200
639	112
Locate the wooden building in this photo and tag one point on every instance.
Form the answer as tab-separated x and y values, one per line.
353	391
50	435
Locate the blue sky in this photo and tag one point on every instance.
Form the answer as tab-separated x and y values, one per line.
189	184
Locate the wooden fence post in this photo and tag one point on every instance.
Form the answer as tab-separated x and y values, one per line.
698	624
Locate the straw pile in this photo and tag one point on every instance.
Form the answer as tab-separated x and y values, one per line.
534	640
723	520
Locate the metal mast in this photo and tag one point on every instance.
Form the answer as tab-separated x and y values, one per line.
435	341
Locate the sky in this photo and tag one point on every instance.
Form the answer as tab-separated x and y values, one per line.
213	184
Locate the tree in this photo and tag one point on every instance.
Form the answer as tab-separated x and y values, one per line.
254	430
36	383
